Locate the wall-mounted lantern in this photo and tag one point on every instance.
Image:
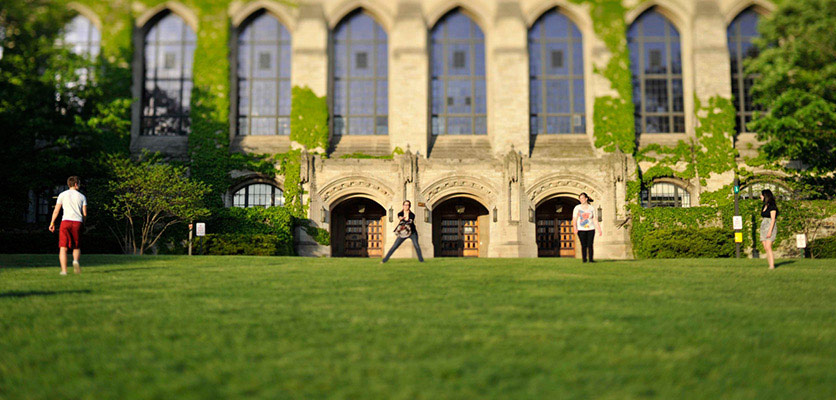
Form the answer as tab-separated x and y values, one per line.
323	214
495	212
600	217
391	214
530	214
426	214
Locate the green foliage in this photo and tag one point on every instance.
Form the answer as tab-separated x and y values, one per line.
276	221
361	155
244	244
823	248
687	243
319	235
148	196
797	85
715	153
309	119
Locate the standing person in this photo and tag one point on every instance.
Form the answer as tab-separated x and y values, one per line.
585	223
407	218
769	229
74	205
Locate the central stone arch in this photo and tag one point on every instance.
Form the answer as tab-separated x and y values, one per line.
355	186
562	184
460	186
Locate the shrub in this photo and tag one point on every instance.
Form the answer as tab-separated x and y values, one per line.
823	248
244	244
686	243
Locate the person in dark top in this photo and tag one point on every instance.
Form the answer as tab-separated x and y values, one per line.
769	229
405	230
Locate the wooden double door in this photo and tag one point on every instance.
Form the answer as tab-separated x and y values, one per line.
555	237
357	229
456	228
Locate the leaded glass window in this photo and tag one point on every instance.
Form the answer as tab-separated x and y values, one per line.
664	194
169	50
360	76
263	77
82	37
741	34
656	66
458	77
258	195
555	52
753	191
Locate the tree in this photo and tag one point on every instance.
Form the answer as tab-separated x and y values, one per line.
149	196
796	85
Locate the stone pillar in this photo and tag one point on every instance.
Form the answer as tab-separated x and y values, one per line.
309	64
507	69
409	80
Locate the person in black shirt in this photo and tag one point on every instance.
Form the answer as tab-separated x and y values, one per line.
407	218
769	229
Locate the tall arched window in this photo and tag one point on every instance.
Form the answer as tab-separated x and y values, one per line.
663	194
458	76
741	33
258	195
555	53
169	50
263	77
656	65
360	76
82	37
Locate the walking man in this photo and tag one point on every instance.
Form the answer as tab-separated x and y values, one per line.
74	205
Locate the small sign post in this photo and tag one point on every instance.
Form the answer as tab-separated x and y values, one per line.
738	238
738	235
200	229
801	243
737	222
191	231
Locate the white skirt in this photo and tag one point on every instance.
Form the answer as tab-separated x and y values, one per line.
765	230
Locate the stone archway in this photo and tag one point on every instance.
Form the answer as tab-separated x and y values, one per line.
460	228
554	234
357	225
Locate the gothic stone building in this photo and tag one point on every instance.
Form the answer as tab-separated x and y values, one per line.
491	101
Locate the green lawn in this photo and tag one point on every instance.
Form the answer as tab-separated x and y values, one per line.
258	327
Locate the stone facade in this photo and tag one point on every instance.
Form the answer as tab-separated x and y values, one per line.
510	172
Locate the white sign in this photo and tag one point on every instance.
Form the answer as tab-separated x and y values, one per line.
801	241
737	222
200	229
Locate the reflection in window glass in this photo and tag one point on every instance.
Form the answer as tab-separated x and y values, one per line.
555	52
741	34
360	77
457	62
258	195
656	66
263	77
169	50
665	195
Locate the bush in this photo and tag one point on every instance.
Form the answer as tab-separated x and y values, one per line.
823	248
686	243
243	244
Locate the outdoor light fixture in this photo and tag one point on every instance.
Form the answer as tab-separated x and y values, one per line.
391	214
559	208
322	214
600	217
494	214
460	208
426	214
530	214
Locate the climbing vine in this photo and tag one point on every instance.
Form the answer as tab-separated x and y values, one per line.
309	120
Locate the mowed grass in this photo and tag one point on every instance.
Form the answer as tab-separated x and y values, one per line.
253	327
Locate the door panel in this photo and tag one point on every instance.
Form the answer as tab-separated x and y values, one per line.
459	237
363	237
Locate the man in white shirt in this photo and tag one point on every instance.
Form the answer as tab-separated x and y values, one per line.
69	235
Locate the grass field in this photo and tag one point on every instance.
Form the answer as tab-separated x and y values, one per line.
251	327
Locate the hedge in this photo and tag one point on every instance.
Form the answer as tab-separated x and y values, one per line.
823	247
687	243
243	244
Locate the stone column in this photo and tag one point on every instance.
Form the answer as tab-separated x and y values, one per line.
507	67
309	64
409	80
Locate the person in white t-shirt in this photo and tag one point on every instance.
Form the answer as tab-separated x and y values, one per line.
585	223
74	205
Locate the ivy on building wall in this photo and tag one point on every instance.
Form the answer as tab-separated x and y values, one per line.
715	152
309	120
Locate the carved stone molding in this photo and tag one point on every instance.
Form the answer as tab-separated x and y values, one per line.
459	185
556	184
355	185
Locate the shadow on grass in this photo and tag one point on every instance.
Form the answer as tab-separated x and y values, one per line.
32	293
785	262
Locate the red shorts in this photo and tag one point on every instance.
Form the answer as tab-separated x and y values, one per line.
69	234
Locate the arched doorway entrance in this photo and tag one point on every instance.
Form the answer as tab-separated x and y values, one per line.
555	237
357	228
460	228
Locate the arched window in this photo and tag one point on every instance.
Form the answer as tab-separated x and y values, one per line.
258	195
169	50
82	37
656	66
458	76
360	76
665	194
753	191
555	52
742	31
263	77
